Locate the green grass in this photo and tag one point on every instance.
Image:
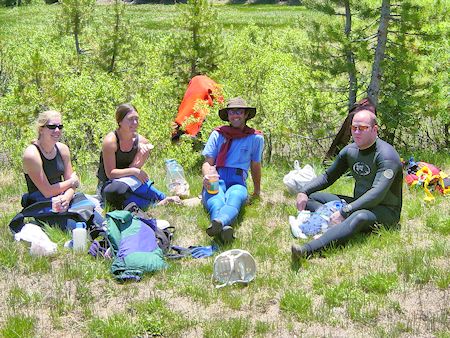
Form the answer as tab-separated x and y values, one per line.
221	328
19	326
297	303
351	285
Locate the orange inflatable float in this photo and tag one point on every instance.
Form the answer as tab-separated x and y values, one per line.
201	90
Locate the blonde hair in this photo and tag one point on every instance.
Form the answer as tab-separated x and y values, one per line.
43	118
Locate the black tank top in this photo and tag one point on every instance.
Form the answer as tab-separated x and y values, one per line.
123	158
53	169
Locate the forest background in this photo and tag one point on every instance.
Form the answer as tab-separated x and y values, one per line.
302	66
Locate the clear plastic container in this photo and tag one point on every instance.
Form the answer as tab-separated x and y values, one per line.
175	178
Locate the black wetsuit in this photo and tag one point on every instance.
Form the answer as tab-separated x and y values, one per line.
377	197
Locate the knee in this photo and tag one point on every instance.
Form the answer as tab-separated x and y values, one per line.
239	191
362	217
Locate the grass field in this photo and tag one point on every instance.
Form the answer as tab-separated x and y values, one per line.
394	282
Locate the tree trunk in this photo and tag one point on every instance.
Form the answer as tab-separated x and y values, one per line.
351	68
343	136
447	134
76	32
115	41
374	87
195	50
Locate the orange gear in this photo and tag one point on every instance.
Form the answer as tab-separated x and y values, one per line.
201	88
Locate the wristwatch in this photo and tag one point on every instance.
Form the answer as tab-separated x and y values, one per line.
346	210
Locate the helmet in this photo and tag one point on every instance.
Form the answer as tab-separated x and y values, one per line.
234	266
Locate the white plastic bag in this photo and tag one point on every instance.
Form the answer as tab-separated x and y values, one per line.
234	266
298	177
41	245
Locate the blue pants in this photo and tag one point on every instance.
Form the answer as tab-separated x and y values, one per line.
226	204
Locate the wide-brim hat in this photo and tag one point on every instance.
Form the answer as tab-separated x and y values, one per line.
237	103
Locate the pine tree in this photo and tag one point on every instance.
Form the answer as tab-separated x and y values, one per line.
196	45
74	17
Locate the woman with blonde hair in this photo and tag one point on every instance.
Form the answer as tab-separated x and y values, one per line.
50	179
46	163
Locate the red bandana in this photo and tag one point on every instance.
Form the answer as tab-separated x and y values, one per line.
230	134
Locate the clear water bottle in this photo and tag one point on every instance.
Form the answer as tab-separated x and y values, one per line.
79	236
176	181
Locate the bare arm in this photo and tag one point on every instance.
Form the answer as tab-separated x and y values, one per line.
109	149
68	174
255	168
32	166
143	153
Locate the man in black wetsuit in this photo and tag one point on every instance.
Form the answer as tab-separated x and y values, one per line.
375	165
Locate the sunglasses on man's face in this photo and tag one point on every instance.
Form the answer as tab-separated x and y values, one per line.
236	111
360	128
54	126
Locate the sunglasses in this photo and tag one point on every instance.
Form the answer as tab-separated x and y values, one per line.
360	128
236	111
54	126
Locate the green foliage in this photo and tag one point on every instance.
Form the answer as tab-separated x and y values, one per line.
115	326
439	222
75	15
11	3
266	59
196	47
117	42
415	266
156	319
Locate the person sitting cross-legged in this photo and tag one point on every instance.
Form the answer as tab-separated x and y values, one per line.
229	154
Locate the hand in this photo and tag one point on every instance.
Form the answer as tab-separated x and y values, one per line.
256	196
75	181
336	218
170	199
302	199
64	203
144	148
142	176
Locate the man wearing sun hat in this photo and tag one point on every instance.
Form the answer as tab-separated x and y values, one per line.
231	151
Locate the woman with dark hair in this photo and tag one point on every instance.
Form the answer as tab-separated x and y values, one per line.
124	152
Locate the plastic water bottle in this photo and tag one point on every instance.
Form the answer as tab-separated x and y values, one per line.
174	174
79	236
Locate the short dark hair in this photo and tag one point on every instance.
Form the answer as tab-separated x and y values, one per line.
122	110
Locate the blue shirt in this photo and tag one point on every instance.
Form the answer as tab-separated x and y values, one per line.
242	151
